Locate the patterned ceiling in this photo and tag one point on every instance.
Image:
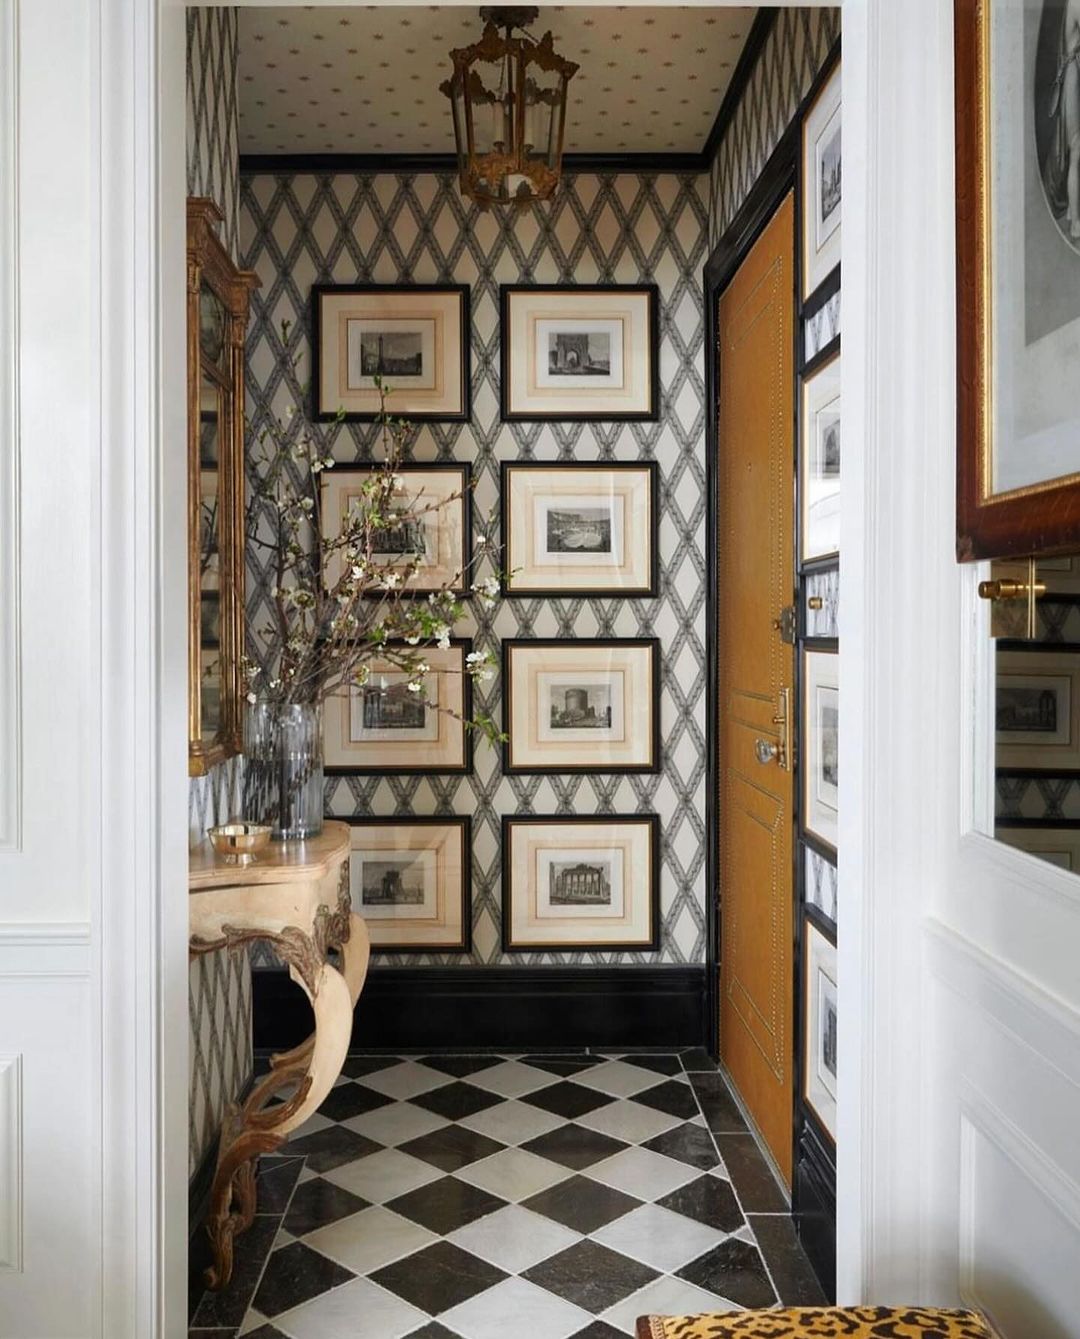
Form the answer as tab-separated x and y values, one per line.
366	79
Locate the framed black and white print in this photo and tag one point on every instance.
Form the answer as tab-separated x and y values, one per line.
1037	711
821	738
410	879
414	337
436	545
576	353
581	883
821	185
581	706
384	728
578	529
820	1014
819	463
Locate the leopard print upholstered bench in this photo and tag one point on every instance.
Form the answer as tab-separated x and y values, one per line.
861	1322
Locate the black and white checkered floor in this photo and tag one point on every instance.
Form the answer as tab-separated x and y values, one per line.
476	1196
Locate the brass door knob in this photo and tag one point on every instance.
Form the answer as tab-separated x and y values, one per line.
815	602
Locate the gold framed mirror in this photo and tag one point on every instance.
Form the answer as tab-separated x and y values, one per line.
217	313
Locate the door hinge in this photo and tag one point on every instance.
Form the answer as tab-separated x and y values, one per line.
785	624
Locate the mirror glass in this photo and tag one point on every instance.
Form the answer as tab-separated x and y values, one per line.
210	413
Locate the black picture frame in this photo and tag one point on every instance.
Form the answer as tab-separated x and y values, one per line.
650	821
464	823
650	415
324	415
647	592
651	644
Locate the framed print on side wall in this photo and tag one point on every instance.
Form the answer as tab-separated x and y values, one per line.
582	706
821	736
821	185
414	337
819	463
383	728
576	353
410	879
580	529
1018	277
438	538
819	1026
581	883
1038	709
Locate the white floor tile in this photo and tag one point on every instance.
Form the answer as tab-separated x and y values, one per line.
514	1174
384	1175
515	1307
356	1308
642	1173
367	1240
514	1238
658	1237
312	1125
408	1079
512	1122
619	1079
252	1321
395	1124
512	1079
629	1121
665	1296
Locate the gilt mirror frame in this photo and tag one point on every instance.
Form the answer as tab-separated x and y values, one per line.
211	270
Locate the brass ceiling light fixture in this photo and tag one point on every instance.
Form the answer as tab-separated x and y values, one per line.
508	98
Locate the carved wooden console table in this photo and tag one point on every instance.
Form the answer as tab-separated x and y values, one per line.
296	899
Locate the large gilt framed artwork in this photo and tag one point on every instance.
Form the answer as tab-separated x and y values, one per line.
384	728
410	879
1037	713
581	706
581	883
573	353
821	736
434	549
819	463
821	184
820	1015
579	529
413	337
1018	276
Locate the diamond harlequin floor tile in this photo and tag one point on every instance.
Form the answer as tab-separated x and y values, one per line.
438	1277
591	1276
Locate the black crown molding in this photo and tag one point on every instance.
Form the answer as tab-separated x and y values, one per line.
763	24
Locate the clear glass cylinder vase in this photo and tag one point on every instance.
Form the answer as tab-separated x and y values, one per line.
283	769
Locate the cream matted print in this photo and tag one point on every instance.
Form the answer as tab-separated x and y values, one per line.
822	164
820	1015
821	727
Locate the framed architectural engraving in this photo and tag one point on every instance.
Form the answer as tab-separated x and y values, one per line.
1037	714
821	184
581	883
819	463
581	706
1018	277
436	546
821	735
819	1026
415	337
384	728
576	353
410	879
574	529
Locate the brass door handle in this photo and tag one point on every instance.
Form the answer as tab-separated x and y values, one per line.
766	752
780	753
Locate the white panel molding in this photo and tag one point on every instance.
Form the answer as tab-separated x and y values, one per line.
45	950
11	1216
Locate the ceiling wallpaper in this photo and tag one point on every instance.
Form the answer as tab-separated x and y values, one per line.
366	79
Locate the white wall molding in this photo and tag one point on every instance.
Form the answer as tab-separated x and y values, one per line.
44	949
11	1222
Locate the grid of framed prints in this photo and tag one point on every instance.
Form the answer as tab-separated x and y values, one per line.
438	540
576	529
821	733
581	883
414	337
384	729
1037	713
819	463
410	880
575	353
819	1058
821	182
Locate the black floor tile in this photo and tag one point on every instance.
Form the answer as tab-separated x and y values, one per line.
432	1330
591	1276
717	1104
352	1099
356	1066
451	1147
696	1060
581	1204
227	1308
274	1183
317	1203
438	1277
296	1274
758	1189
444	1206
659	1064
562	1065
599	1329
707	1200
567	1099
795	1281
461	1066
332	1147
573	1146
457	1100
676	1097
687	1143
265	1332
734	1270
211	1334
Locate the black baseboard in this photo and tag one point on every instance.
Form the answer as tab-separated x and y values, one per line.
514	1007
813	1205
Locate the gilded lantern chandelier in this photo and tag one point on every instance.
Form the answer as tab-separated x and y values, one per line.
508	97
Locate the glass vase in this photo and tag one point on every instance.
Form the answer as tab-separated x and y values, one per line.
283	769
